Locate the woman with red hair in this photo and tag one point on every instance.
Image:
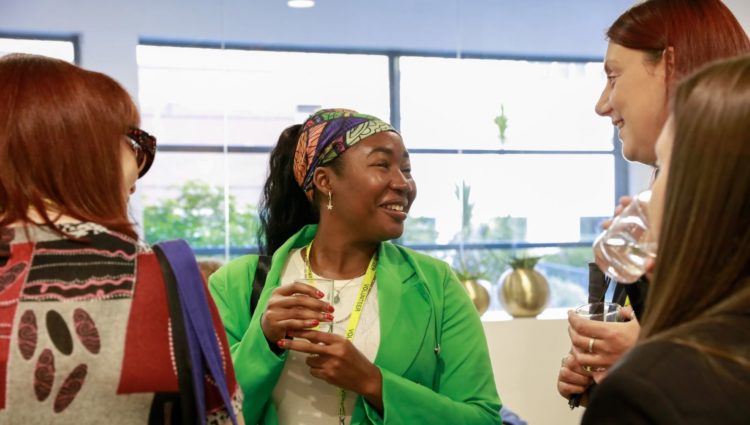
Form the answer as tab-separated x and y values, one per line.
692	361
88	327
651	47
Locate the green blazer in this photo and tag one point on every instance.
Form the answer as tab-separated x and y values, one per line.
433	353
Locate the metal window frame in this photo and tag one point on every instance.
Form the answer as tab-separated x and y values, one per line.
74	38
394	77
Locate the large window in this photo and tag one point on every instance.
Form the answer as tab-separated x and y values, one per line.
508	155
517	164
217	113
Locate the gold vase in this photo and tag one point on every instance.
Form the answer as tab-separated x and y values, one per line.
524	292
478	294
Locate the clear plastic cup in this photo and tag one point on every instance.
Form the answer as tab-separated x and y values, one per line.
623	250
601	312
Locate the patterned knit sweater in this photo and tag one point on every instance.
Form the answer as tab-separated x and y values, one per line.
85	334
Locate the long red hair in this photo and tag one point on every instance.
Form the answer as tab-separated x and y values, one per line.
699	31
60	133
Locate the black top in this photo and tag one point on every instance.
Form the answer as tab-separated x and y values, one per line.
636	291
669	383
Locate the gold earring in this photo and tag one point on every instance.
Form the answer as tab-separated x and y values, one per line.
330	205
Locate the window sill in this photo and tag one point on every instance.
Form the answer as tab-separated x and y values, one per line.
556	313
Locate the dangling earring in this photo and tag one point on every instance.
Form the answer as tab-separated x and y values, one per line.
330	205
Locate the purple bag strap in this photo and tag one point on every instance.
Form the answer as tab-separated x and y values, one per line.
199	325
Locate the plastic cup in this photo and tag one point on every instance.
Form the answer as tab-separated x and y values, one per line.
622	251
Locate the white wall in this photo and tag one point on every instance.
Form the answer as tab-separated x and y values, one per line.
526	356
741	9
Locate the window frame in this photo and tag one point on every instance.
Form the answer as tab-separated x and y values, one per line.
73	38
621	174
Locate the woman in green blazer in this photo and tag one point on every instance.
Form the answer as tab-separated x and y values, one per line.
407	345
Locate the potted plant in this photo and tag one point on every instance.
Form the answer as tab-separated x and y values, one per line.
476	285
469	272
524	291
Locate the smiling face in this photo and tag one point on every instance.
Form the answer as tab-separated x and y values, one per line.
635	98
372	188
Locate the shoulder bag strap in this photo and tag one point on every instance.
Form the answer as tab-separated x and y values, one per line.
180	344
201	336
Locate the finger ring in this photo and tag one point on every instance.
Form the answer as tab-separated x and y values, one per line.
562	363
592	369
591	345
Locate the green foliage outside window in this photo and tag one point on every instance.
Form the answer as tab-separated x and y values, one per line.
491	263
487	264
419	230
196	214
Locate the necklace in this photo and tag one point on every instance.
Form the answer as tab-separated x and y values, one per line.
336	292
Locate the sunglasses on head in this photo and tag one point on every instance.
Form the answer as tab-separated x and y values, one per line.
144	146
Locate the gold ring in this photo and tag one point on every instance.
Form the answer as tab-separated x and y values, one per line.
592	369
591	345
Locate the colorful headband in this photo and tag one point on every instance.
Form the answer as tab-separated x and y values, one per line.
327	134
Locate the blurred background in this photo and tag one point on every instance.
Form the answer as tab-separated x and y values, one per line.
494	99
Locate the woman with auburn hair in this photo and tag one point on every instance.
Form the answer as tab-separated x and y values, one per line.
651	47
692	363
399	341
89	331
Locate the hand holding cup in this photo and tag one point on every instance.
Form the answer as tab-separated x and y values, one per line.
601	333
300	305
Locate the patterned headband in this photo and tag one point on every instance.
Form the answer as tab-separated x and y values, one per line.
326	135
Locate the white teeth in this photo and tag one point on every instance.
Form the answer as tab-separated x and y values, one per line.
395	207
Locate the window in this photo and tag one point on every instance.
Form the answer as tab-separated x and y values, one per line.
517	164
217	114
508	155
547	105
60	49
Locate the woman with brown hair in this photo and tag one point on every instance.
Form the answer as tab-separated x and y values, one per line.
651	47
87	331
692	363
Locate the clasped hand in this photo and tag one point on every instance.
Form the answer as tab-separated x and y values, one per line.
596	346
292	311
293	307
337	361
